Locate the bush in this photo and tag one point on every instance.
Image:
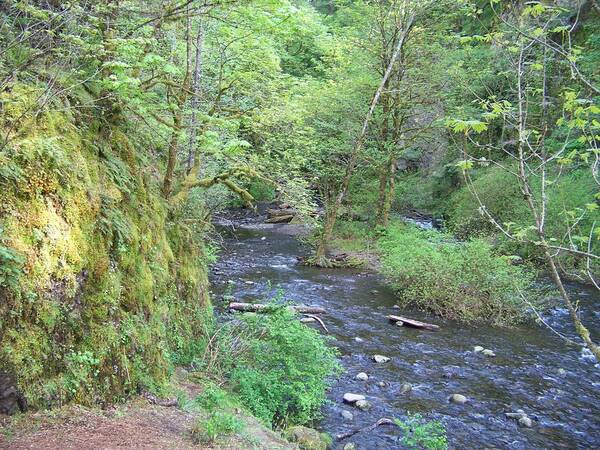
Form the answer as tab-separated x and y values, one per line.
217	424
464	281
284	370
417	433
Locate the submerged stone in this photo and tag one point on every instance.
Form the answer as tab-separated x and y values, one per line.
362	376
380	359
353	398
459	399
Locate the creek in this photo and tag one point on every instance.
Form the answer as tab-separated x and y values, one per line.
556	384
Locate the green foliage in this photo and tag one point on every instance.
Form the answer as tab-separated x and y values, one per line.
284	371
11	264
417	433
457	280
218	425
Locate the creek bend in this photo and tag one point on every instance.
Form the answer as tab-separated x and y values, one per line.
557	385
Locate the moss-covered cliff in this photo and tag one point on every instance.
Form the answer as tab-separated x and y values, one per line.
101	289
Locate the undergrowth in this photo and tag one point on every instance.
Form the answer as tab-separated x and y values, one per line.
457	280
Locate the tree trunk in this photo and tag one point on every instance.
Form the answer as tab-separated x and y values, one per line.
172	155
195	98
331	218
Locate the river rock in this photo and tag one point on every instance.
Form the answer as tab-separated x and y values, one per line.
405	388
380	359
362	376
562	372
352	398
350	446
307	438
489	353
399	323
478	349
347	415
357	339
308	320
264	238
381	384
515	415
363	404
396	306
249	282
459	399
525	422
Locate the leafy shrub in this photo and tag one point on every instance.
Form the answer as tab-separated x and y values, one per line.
417	433
218	424
283	372
463	281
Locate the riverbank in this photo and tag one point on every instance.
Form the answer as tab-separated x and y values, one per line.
533	370
144	422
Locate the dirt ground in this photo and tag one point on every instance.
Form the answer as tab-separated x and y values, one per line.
135	425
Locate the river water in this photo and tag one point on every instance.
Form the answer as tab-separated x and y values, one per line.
557	385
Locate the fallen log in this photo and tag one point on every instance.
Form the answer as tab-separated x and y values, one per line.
318	319
281	212
280	219
383	421
414	323
258	307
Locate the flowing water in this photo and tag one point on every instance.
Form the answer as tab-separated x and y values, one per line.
557	385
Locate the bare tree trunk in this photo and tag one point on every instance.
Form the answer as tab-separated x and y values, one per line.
539	211
332	214
172	155
195	98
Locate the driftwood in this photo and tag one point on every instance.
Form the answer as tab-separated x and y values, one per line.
414	323
281	212
318	319
258	307
383	421
280	219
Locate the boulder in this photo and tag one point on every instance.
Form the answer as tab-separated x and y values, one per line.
357	339
379	359
307	438
350	446
459	399
478	349
489	353
353	398
362	376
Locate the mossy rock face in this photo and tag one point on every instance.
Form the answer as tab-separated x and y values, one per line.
101	289
308	438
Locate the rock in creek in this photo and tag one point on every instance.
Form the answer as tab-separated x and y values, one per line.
350	446
308	320
362	376
307	438
459	399
562	372
405	388
399	324
478	349
489	353
363	405
379	359
357	339
381	384
347	415
353	398
525	422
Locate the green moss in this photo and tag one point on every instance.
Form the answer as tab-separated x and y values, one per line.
108	289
